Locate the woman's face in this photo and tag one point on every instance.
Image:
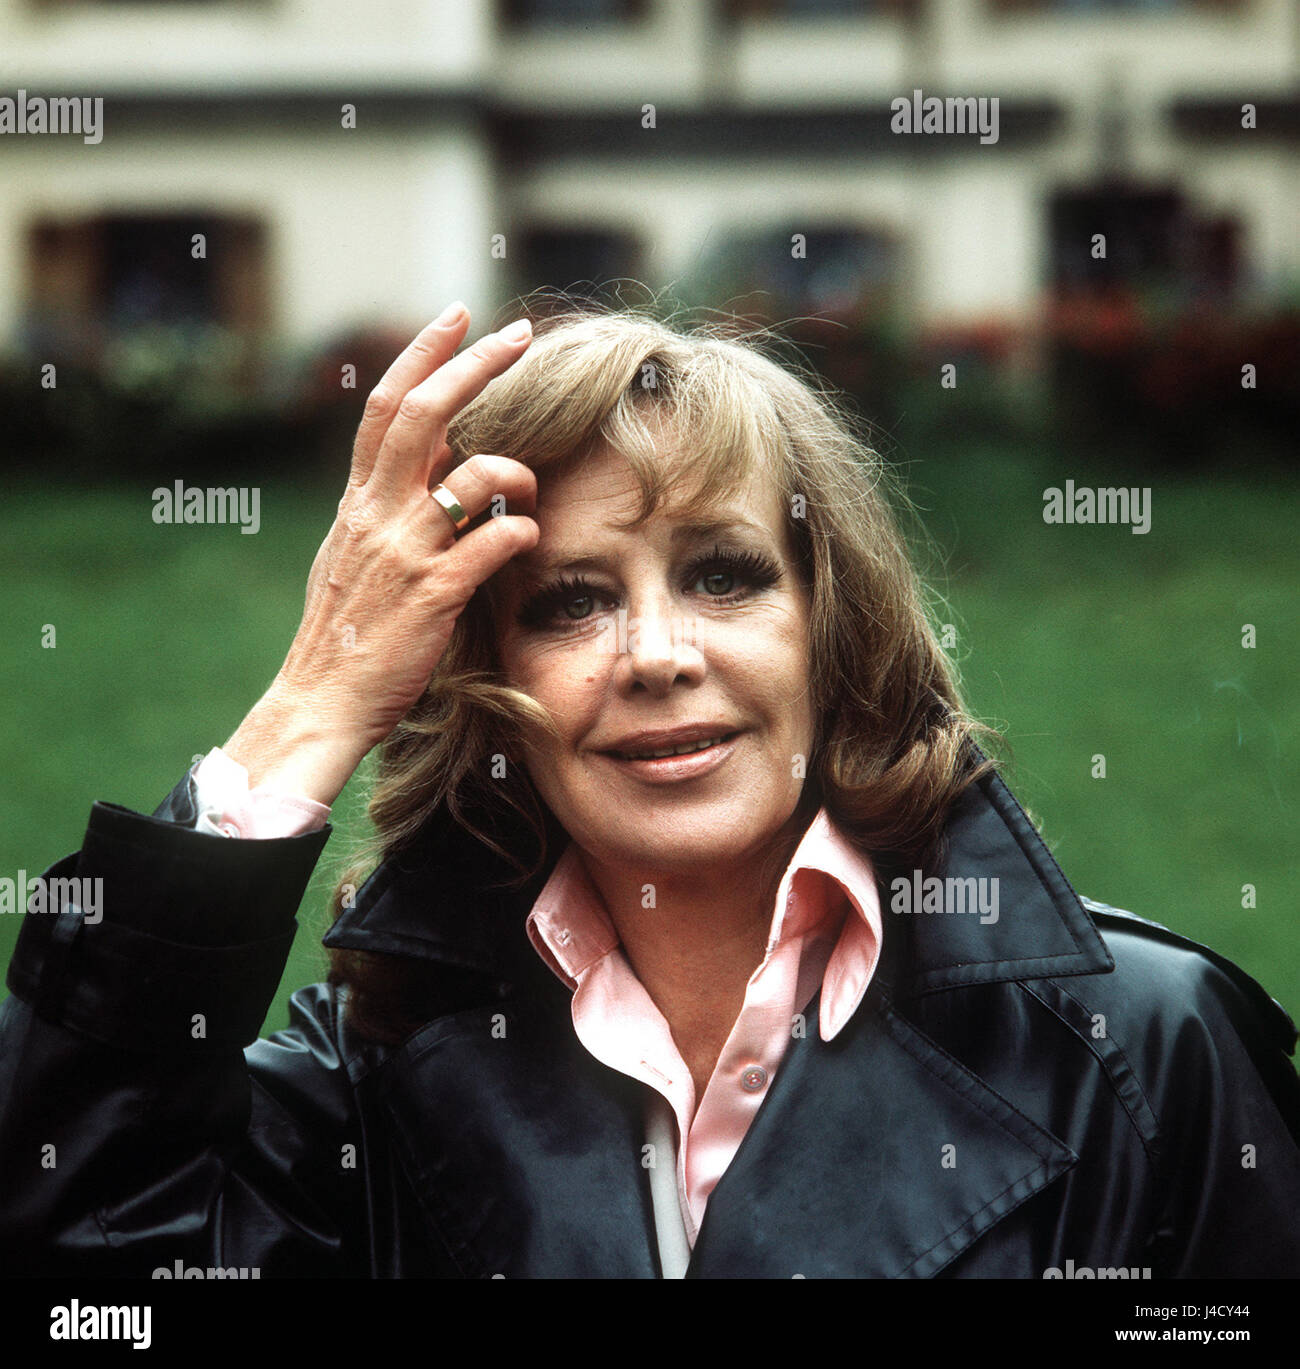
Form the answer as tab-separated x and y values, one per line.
669	628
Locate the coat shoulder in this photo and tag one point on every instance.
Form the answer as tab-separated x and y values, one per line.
1175	976
1175	1023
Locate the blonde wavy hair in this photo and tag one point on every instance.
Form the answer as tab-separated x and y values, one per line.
894	742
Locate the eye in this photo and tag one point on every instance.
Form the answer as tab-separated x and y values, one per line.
565	601
730	575
583	599
712	586
725	576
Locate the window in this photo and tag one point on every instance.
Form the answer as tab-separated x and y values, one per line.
572	12
817	9
578	260
836	269
111	273
1154	243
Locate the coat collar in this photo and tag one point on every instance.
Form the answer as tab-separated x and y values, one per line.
446	900
500	1116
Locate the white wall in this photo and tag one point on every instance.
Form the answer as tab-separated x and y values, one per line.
286	43
383	225
364	228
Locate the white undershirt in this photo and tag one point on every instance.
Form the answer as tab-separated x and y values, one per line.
670	1228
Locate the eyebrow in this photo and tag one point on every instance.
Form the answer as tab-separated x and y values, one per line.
530	564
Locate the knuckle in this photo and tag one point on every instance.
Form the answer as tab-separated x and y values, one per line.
379	403
358	518
415	408
425	349
452	590
479	467
391	547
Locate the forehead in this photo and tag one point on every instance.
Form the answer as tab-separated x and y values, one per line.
592	505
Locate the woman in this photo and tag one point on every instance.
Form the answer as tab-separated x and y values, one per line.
704	939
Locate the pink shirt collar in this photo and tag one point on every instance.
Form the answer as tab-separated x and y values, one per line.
571	930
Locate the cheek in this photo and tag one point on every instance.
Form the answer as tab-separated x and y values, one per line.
791	693
568	681
778	657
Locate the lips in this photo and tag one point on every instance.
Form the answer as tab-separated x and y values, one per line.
677	769
670	742
686	749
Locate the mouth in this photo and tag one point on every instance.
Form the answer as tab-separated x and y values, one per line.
667	752
669	765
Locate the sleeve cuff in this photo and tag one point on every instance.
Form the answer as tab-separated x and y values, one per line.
161	938
227	807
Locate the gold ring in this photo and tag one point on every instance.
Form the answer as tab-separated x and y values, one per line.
444	497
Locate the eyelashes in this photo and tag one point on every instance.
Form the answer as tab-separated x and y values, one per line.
545	609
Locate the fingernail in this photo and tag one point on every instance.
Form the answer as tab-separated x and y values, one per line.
449	315
517	331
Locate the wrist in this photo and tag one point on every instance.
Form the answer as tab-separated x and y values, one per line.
287	744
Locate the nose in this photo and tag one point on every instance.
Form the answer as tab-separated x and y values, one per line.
658	651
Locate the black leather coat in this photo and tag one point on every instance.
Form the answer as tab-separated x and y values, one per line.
1067	1088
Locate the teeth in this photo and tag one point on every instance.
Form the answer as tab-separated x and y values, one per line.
685	749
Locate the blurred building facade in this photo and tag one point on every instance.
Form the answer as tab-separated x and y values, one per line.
351	165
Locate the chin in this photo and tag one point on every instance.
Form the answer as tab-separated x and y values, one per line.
679	837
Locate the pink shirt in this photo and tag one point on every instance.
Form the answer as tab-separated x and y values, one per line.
228	808
825	934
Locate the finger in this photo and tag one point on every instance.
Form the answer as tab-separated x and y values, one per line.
432	346
420	425
484	483
479	554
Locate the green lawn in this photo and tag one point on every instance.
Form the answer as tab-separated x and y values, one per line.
1075	641
1085	640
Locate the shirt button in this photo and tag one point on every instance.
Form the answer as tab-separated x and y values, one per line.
564	936
753	1079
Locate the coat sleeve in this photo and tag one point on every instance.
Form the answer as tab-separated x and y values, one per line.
136	1131
1215	1058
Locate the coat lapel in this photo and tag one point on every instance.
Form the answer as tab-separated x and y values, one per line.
526	1152
875	1156
1041	930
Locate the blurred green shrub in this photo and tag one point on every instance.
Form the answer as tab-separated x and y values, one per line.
1102	373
